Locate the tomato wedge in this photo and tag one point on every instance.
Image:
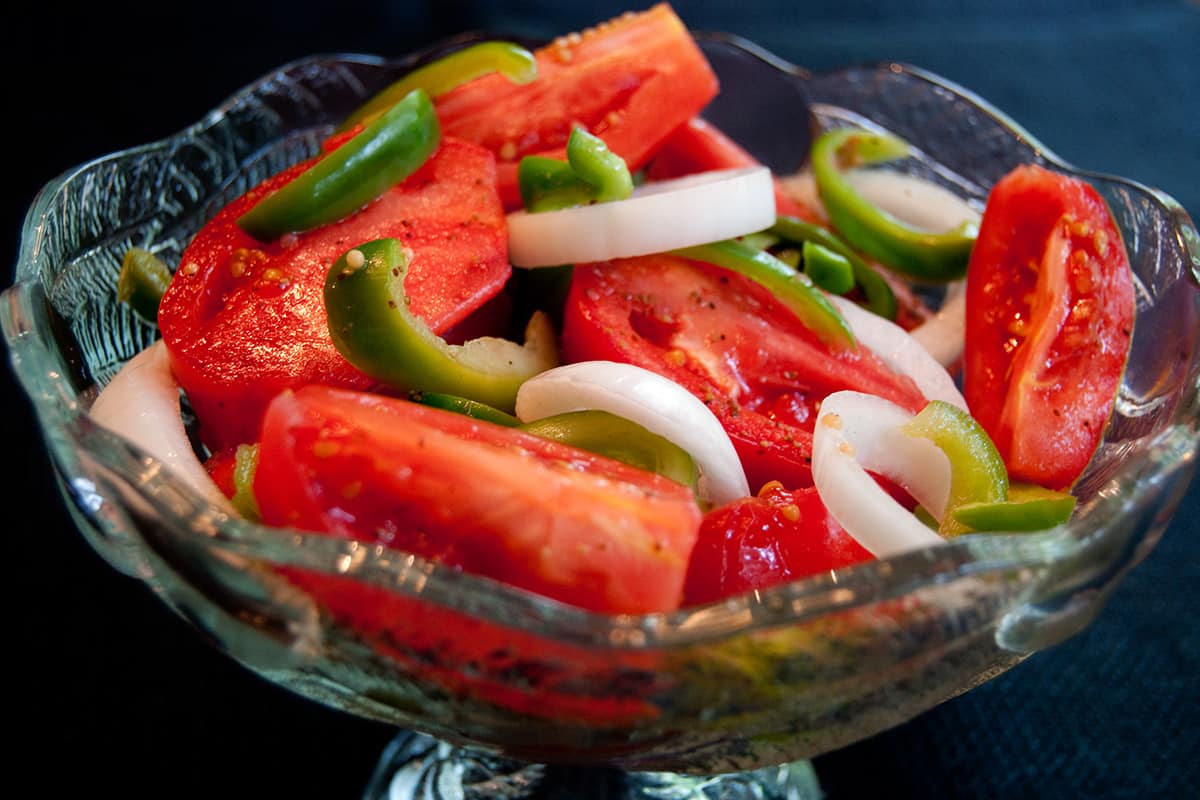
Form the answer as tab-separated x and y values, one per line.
631	81
763	541
732	344
490	500
1050	312
244	320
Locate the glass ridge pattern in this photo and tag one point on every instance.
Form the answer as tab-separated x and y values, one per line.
757	680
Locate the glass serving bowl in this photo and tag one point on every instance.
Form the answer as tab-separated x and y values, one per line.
757	680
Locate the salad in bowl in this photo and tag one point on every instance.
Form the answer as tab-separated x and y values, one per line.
516	397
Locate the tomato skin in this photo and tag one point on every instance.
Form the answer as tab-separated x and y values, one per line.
490	500
631	81
1050	312
244	320
728	341
699	146
763	541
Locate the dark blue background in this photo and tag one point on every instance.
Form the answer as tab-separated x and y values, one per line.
111	691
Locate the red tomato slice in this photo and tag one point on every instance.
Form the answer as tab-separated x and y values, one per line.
1049	320
732	344
243	321
700	146
493	501
763	541
631	81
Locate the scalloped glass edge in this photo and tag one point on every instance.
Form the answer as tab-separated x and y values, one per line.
1052	566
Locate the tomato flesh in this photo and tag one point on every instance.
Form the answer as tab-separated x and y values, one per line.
767	540
490	500
244	320
1049	321
732	344
631	82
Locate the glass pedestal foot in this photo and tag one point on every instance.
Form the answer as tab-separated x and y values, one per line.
418	767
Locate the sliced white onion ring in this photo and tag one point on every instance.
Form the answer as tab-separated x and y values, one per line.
901	352
917	201
141	403
944	334
856	432
693	210
658	404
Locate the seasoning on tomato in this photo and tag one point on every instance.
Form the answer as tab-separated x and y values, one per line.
243	319
631	82
490	500
763	541
1049	318
731	343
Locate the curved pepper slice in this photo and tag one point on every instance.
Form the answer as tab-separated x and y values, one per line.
918	253
440	76
619	439
878	294
794	289
591	174
977	473
462	405
143	279
827	269
1028	508
386	152
371	326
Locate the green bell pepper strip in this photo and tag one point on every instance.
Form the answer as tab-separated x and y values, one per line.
386	152
547	184
977	472
141	283
794	289
921	254
372	327
1028	508
464	406
879	295
761	240
604	170
591	174
829	270
619	439
440	76
245	463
